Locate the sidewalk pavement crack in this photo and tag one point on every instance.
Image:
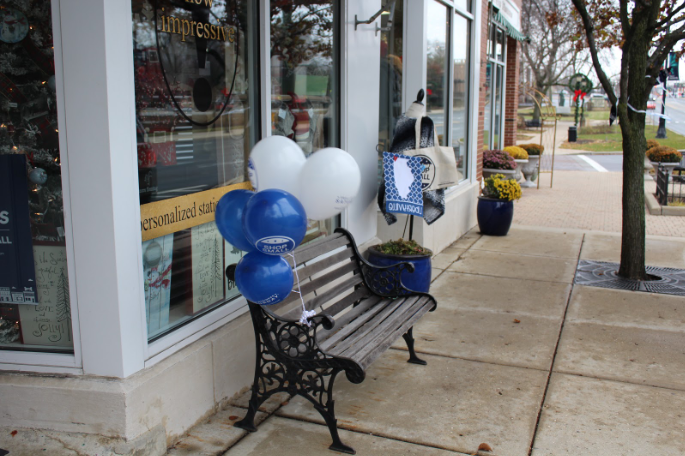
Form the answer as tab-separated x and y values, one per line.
554	356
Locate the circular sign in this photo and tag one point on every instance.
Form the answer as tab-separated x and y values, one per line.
428	173
13	25
194	43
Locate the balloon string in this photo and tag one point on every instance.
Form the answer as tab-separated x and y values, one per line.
304	319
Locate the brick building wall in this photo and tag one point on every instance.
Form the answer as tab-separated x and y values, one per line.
511	91
484	27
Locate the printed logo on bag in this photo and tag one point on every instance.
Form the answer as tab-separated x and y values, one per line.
428	173
275	245
252	175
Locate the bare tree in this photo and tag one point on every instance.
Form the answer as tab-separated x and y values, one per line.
553	50
645	31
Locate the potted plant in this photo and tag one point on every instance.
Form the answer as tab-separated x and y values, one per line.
393	252
668	157
495	209
498	162
520	156
530	169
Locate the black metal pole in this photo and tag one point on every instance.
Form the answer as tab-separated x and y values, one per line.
411	227
661	132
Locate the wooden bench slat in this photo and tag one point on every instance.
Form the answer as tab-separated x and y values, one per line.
310	286
344	318
308	252
379	345
384	325
334	291
314	268
316	284
359	339
365	327
366	310
360	293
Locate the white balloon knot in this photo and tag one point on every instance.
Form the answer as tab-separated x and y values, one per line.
306	314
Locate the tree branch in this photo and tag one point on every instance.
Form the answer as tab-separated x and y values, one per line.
668	18
664	47
589	29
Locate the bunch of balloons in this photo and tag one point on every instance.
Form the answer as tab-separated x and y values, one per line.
272	221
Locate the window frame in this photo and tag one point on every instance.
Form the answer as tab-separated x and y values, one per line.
36	360
494	26
473	81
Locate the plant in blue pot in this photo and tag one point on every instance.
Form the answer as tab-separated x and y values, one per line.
495	209
401	251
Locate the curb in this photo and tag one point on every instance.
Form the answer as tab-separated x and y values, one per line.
654	208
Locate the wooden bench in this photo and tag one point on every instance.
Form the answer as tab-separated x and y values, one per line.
361	310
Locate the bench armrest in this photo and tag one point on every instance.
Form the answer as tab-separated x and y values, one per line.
288	337
384	281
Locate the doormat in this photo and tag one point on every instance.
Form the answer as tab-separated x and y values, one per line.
603	274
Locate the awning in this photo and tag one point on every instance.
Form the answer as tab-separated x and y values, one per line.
511	30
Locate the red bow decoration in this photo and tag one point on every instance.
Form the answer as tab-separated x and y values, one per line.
579	93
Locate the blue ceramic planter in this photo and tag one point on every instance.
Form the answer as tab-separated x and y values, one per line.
419	280
494	216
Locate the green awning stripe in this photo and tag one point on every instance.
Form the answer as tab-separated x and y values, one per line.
511	30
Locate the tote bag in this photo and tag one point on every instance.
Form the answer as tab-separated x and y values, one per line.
440	164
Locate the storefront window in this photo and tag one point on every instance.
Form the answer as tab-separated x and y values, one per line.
35	305
494	95
497	121
437	65
305	80
487	111
196	122
465	5
391	79
460	91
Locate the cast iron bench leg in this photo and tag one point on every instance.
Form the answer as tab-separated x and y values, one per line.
327	411
247	423
409	339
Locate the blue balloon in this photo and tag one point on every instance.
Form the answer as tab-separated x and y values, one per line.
229	218
274	221
264	279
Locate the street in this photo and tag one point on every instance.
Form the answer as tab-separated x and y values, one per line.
675	109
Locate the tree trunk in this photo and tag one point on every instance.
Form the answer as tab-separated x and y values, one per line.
536	112
633	239
634	146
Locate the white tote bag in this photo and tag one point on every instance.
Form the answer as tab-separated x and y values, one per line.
440	164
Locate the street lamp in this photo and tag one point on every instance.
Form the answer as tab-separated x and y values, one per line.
661	132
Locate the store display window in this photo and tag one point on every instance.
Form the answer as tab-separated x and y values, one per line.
460	91
390	99
196	121
305	80
438	58
35	304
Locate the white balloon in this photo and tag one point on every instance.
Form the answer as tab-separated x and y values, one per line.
276	162
329	181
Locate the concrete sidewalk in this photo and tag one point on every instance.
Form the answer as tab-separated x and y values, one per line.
586	201
518	358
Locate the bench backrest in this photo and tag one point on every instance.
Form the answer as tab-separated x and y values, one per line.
330	278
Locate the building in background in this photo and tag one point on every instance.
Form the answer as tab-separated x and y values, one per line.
121	125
